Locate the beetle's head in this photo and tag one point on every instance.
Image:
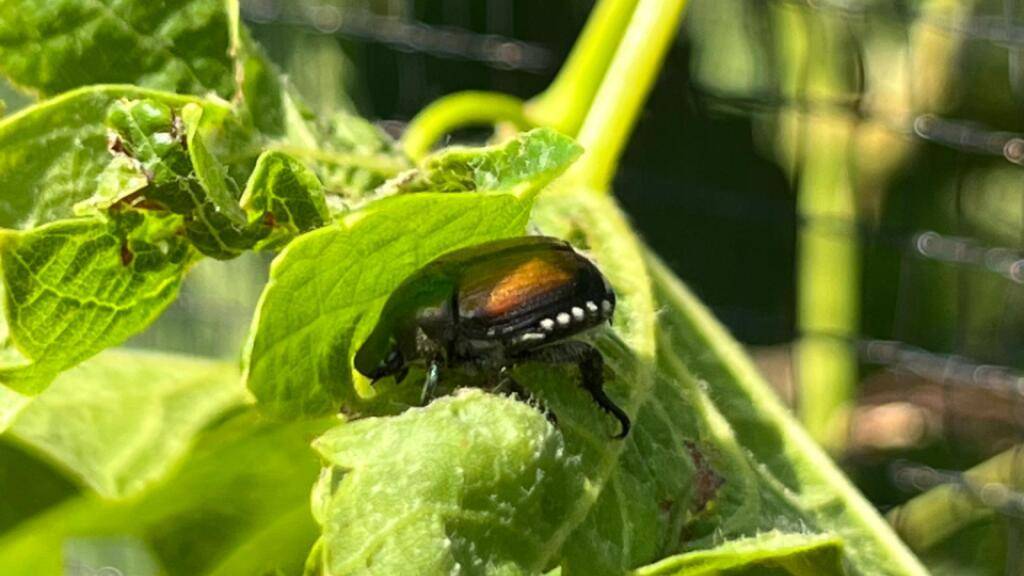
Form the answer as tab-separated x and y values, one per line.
381	357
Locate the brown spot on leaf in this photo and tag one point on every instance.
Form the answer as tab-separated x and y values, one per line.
115	144
126	254
706	480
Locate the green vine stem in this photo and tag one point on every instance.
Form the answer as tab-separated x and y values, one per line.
456	110
621	96
823	149
563	106
565	103
932	517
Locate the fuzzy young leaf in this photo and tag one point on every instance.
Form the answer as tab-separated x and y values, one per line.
58	45
525	163
284	188
120	421
327	288
473	483
781	553
75	287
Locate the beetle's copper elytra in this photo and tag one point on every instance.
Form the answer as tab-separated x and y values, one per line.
493	306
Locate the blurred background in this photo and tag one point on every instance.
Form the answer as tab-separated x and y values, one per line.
840	181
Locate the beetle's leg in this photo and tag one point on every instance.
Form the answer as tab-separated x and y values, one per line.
591	365
430	382
506	381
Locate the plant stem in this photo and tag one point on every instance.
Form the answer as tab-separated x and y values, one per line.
624	89
457	110
824	149
932	517
828	282
565	103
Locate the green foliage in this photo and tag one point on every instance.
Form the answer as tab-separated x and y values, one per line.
75	287
287	190
51	154
480	483
522	165
57	45
111	193
771	552
328	287
116	436
244	488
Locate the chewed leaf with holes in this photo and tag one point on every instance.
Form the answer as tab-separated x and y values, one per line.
288	191
168	148
474	483
75	287
52	154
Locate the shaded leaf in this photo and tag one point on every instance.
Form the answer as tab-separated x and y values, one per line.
792	554
57	45
120	421
75	287
246	481
781	454
351	156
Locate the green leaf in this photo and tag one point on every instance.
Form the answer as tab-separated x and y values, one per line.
75	287
261	88
37	484
52	154
327	287
120	421
169	149
681	481
11	404
778	552
56	45
217	225
351	156
473	483
525	163
240	499
781	454
284	188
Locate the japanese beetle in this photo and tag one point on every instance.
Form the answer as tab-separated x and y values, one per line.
490	307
